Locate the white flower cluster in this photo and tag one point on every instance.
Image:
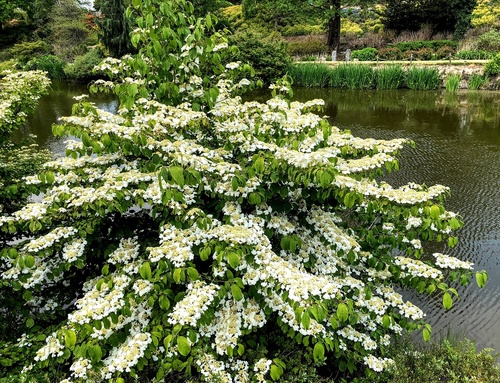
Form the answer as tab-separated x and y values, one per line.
198	298
216	371
49	239
52	348
126	356
447	262
97	304
80	367
231	321
19	92
127	251
377	364
74	250
417	268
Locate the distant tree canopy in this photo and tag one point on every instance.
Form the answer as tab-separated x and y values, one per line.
441	15
273	11
202	7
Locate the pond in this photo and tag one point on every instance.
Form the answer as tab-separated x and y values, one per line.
457	140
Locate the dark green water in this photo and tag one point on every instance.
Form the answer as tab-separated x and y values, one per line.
458	145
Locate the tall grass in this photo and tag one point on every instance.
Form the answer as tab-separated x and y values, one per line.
476	81
310	75
389	77
422	78
452	83
357	76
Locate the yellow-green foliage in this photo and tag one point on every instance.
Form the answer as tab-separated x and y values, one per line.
7	65
234	15
486	14
350	27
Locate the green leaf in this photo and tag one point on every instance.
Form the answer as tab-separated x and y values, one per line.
305	320
95	353
69	338
193	273
145	271
205	253
233	259
342	312
177	275
481	278
426	334
183	346
435	211
29	261
386	321
30	322
236	292
447	301
259	165
164	302
27	295
276	372
234	184
349	200
177	174
319	352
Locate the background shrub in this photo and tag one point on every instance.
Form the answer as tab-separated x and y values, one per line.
444	52
23	52
410	55
489	41
82	68
444	361
366	54
390	53
432	44
492	68
50	64
301	29
425	53
307	47
267	55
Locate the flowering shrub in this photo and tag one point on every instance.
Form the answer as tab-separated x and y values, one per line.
19	94
180	231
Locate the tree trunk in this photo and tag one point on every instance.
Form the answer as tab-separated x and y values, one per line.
334	26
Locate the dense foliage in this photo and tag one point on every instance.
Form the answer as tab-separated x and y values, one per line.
181	231
442	15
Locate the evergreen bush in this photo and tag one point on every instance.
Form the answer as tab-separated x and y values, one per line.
82	69
365	54
50	64
266	54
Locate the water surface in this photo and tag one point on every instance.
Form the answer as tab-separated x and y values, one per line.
457	140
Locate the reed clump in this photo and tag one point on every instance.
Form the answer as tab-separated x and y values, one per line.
476	81
452	83
422	78
357	76
390	77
